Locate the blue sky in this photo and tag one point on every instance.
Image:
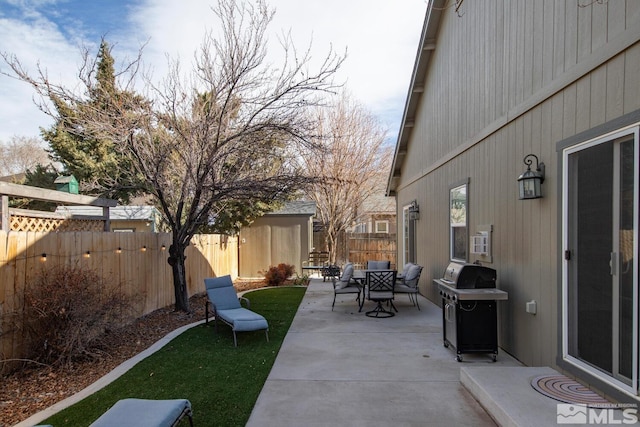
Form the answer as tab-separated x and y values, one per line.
380	36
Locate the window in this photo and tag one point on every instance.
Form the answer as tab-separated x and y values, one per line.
382	226
458	218
360	228
408	236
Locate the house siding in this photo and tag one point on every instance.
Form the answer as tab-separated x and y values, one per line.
509	78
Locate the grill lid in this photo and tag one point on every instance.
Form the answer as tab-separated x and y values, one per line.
469	276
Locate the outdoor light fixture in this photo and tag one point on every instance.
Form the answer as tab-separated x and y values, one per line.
414	211
143	249
119	250
529	182
87	254
43	257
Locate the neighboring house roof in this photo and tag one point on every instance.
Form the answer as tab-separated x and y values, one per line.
134	213
378	203
16	178
297	207
426	47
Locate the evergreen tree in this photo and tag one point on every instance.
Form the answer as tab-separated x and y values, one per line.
42	177
97	161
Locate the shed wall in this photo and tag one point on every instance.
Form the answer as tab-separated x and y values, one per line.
272	240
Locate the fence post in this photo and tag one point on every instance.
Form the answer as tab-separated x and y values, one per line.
6	226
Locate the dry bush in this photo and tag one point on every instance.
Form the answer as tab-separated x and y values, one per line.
277	275
68	310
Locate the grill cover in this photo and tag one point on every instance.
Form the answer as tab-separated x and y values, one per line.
469	276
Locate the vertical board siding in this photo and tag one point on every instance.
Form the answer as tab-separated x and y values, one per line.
144	275
498	54
488	62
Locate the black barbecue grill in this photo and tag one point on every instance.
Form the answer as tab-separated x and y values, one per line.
469	308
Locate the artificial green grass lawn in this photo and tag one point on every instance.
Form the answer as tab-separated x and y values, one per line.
221	381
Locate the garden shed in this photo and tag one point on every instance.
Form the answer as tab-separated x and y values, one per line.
283	236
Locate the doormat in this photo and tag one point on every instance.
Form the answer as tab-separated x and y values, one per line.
564	389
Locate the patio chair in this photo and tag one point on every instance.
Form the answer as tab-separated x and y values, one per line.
227	308
378	265
408	284
345	285
381	286
145	413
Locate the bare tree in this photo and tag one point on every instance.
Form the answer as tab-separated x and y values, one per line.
21	154
221	138
349	169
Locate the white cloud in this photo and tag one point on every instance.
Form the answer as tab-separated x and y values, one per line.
381	38
34	42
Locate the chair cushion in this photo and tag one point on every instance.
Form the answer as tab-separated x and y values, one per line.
413	272
404	289
347	273
242	319
340	285
405	270
348	290
220	291
378	265
380	295
142	413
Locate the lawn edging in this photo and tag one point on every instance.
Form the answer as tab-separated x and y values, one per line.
105	380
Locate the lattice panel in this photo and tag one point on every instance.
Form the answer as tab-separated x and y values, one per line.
81	225
25	223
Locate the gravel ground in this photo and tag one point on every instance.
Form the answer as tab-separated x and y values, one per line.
37	387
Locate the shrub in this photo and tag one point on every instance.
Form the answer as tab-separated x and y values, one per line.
68	310
300	280
277	275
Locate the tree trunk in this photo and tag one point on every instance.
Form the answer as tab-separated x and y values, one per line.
176	261
331	246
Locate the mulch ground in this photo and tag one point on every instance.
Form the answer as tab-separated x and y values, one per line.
35	387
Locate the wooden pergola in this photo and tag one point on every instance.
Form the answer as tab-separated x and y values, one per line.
15	190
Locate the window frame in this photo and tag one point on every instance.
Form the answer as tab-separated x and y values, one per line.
453	256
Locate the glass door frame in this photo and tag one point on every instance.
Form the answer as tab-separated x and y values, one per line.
631	130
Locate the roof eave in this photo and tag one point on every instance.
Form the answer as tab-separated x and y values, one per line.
426	47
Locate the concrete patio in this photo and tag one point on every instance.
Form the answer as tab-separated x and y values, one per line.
343	368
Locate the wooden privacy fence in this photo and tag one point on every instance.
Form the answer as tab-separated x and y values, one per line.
136	262
363	247
359	248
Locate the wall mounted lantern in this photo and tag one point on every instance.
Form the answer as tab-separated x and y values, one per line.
414	211
529	182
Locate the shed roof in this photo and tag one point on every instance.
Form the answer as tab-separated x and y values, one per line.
65	179
297	207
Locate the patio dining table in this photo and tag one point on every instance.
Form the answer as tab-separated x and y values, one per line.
312	268
360	277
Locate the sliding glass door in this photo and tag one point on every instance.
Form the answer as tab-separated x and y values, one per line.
600	286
